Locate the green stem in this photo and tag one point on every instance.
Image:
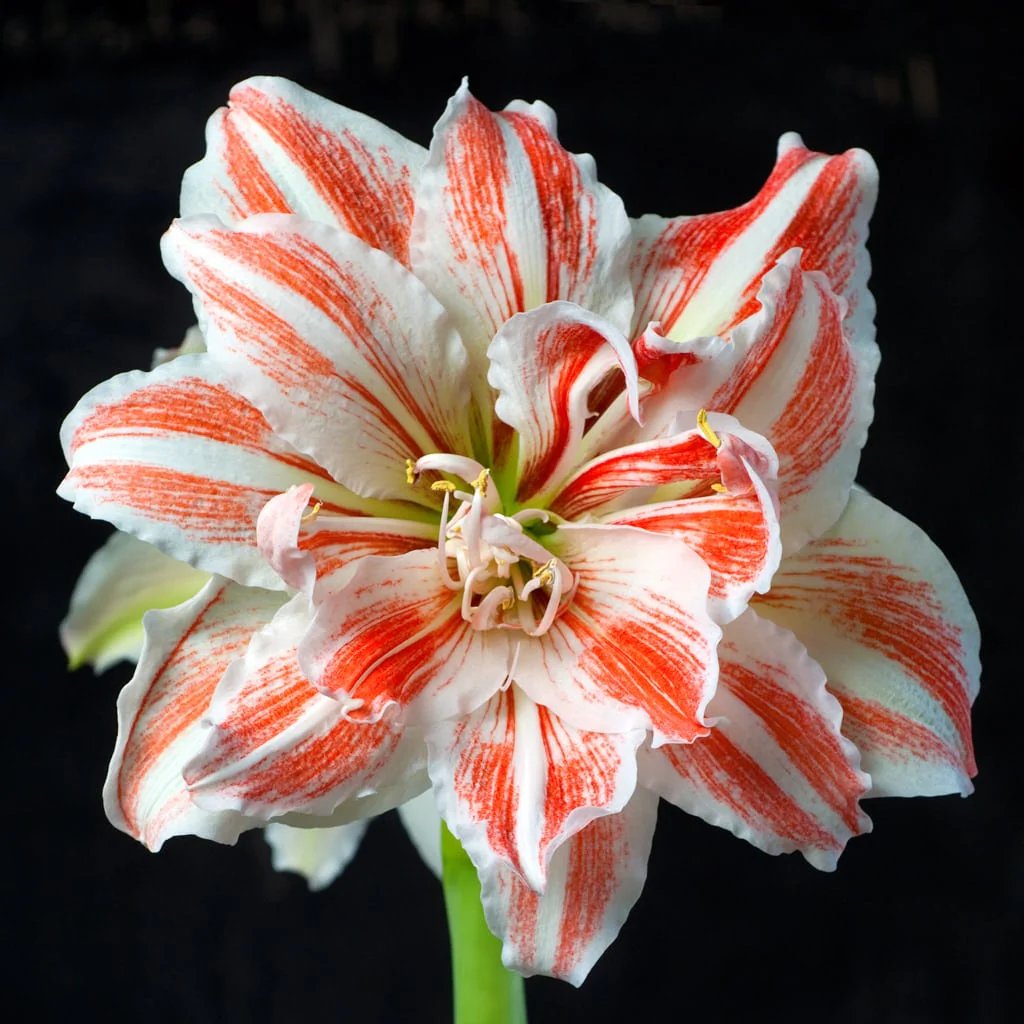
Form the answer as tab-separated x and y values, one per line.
484	992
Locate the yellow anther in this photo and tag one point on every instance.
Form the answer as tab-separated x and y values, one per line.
545	573
705	429
509	603
720	488
410	472
443	485
481	481
312	513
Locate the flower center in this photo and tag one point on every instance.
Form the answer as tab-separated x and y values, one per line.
508	579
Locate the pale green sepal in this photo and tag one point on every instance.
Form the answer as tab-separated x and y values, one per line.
123	580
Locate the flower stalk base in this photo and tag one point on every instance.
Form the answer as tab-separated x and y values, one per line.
484	992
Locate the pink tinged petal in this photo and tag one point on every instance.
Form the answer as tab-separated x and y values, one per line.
277	148
593	881
735	532
635	648
792	374
346	353
775	770
514	782
682	463
878	605
275	746
394	637
121	582
318	854
545	365
179	459
314	551
159	713
507	220
700	275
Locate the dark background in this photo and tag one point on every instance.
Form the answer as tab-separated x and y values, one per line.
103	108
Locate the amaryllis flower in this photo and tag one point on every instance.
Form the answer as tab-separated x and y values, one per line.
503	495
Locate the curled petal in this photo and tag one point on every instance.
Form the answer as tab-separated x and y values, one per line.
790	373
684	462
545	365
507	220
776	769
318	854
313	551
124	579
277	148
394	637
700	275
593	881
878	605
514	782
345	352
735	530
159	713
179	459
635	647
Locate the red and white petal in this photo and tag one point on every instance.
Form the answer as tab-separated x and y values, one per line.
700	275
544	365
792	374
593	881
318	854
878	605
121	582
159	713
776	769
393	637
684	462
277	148
313	552
345	352
181	460
635	647
506	220
514	782
275	746
736	532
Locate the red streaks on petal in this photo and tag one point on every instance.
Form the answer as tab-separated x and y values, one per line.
880	605
568	213
476	164
253	187
734	778
369	194
334	549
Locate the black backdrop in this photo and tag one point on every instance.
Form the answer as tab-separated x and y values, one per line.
102	109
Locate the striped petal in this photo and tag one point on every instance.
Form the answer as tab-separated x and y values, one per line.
735	531
318	854
700	275
791	374
506	220
159	712
275	746
314	552
121	582
394	637
878	605
345	352
635	648
545	365
514	782
685	462
593	881
181	460
277	148
775	770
